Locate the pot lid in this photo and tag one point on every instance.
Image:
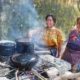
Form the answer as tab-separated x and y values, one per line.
7	41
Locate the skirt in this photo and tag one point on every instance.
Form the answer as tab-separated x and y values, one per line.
71	56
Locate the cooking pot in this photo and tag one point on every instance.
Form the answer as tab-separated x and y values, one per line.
24	46
23	61
7	48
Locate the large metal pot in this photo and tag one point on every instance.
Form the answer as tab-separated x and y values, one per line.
23	61
24	46
7	48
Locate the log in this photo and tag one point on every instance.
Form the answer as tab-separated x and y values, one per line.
68	75
4	65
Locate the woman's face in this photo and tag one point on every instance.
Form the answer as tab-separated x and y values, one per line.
50	23
78	24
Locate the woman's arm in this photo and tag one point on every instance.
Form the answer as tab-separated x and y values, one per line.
60	42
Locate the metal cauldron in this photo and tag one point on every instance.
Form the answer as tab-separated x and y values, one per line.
24	46
23	61
7	47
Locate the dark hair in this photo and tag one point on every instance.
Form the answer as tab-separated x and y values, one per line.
50	15
78	19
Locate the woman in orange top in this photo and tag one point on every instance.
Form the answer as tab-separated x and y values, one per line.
52	36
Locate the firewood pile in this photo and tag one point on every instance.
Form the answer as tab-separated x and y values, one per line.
55	68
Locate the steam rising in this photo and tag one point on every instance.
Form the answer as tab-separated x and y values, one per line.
17	18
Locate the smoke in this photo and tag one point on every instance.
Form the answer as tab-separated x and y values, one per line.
19	16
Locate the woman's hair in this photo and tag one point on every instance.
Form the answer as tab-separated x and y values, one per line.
78	19
50	15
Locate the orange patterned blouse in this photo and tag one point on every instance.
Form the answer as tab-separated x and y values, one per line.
53	37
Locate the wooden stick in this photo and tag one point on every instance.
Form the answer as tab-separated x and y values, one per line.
16	75
38	75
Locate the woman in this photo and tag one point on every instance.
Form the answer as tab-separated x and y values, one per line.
72	52
52	36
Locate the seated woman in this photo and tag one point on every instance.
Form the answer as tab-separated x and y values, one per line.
49	36
52	36
72	52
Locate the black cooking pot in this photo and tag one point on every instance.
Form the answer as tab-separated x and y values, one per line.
24	46
7	48
23	61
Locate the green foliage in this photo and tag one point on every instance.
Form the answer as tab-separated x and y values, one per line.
65	14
